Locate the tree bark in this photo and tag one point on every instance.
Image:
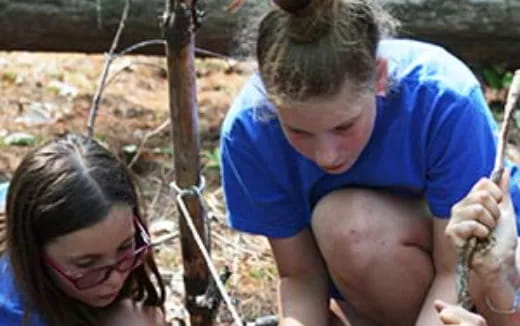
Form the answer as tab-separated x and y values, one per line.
478	31
83	26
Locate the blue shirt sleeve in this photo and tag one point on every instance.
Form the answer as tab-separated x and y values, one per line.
257	202
11	305
461	149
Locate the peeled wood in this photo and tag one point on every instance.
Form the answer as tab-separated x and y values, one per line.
477	31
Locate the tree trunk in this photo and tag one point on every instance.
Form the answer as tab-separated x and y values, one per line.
85	26
478	31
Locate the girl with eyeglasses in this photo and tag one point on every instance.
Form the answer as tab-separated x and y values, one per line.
78	251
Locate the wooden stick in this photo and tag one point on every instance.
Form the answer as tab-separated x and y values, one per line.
178	27
512	99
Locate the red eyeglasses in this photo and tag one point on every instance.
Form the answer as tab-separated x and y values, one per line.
96	276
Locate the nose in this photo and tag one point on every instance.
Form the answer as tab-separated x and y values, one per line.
326	150
116	279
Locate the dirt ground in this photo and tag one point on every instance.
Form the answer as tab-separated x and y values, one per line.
48	94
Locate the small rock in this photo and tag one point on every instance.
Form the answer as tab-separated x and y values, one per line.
37	113
63	89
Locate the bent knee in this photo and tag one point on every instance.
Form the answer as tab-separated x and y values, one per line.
341	210
364	224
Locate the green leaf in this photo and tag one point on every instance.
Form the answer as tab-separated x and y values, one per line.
507	79
492	78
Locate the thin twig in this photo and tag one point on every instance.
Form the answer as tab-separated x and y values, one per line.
108	62
165	238
157	195
213	54
140	45
133	63
152	133
512	99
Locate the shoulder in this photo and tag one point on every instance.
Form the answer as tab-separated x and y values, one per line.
250	111
251	124
11	304
421	64
431	84
9	296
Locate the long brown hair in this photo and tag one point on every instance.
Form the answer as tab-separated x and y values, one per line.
310	51
65	185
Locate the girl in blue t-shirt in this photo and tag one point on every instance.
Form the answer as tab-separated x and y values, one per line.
348	152
78	250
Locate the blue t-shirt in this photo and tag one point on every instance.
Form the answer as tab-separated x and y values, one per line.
11	303
433	138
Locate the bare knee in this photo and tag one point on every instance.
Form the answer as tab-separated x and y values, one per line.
343	232
358	228
367	221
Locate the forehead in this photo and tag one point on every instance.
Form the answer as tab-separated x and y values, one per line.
101	238
325	112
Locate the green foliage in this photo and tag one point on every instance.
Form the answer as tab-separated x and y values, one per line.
9	76
497	77
267	273
212	158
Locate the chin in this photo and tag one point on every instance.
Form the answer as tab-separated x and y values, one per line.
100	303
340	169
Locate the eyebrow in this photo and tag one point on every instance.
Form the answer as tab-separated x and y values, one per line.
97	256
348	122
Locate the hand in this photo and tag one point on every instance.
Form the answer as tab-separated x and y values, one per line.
487	209
129	313
455	315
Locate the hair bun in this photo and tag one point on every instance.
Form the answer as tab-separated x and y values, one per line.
311	22
292	6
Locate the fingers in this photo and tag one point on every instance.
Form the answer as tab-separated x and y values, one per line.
477	213
487	185
455	315
486	212
469	229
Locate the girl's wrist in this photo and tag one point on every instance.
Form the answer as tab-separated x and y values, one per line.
503	299
504	305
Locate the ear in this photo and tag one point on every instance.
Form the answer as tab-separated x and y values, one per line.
381	76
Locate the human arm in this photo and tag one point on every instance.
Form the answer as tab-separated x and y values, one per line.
442	287
303	285
461	149
487	209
